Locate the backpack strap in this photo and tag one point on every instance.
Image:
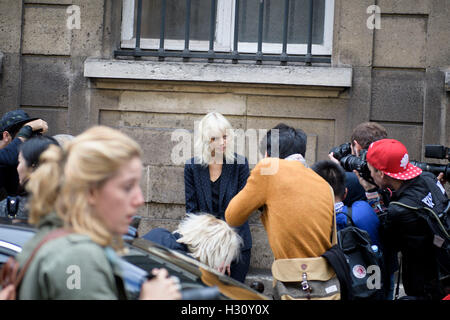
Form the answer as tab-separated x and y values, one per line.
349	216
436	217
334	226
50	236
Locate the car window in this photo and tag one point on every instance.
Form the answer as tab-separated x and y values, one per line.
16	235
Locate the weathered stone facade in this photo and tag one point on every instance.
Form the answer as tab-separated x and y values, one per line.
396	76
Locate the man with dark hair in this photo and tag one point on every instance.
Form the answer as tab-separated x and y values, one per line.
298	204
402	228
291	141
15	127
362	214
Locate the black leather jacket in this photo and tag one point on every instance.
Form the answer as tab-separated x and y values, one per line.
403	230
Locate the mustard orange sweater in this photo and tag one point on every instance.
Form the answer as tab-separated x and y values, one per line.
298	216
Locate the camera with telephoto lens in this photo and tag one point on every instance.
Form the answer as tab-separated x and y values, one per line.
436	152
349	162
341	151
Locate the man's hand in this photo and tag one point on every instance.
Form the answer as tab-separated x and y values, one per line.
224	268
332	158
442	179
38	124
363	182
162	287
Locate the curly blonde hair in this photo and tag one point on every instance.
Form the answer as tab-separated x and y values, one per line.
210	240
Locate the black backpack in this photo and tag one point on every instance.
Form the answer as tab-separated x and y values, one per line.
364	263
439	224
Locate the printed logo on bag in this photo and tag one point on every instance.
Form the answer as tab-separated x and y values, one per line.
359	271
331	289
428	200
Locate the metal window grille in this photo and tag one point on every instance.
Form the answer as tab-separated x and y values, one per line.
234	55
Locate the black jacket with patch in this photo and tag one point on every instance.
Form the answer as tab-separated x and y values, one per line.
403	230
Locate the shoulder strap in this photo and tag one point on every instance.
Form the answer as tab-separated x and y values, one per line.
51	236
349	216
415	209
334	226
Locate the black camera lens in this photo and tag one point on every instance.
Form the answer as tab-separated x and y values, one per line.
351	162
435	169
341	151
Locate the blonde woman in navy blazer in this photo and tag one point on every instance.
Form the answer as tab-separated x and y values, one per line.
213	177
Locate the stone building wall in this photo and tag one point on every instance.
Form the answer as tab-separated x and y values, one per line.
394	75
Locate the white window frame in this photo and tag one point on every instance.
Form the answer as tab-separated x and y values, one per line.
225	34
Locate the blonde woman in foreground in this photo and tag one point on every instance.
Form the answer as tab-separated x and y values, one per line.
92	185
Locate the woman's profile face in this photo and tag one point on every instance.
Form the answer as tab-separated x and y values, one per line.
118	199
22	169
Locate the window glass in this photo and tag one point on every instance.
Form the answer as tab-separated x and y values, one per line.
175	19
273	21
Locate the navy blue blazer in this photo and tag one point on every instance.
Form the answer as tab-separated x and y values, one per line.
198	193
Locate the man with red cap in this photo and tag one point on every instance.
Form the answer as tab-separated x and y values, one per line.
402	229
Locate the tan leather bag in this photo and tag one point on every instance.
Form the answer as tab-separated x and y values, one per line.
10	274
306	278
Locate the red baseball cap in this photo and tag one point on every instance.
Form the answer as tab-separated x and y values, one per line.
391	157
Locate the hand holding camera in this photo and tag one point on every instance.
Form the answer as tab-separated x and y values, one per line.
351	163
32	128
38	125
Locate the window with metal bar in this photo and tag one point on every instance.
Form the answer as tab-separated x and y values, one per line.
277	30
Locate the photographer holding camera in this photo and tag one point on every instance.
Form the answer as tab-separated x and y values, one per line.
402	228
16	127
351	156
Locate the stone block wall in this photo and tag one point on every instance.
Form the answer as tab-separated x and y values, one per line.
43	67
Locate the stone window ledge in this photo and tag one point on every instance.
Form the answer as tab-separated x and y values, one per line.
219	73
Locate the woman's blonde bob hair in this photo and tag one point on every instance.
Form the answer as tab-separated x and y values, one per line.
213	125
210	240
66	176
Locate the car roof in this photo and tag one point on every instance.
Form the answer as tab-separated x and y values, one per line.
16	233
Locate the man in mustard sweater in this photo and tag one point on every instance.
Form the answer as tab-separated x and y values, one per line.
298	203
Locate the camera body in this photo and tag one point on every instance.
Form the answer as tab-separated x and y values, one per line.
349	162
341	151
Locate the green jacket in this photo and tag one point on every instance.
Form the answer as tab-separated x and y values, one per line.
48	223
69	267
